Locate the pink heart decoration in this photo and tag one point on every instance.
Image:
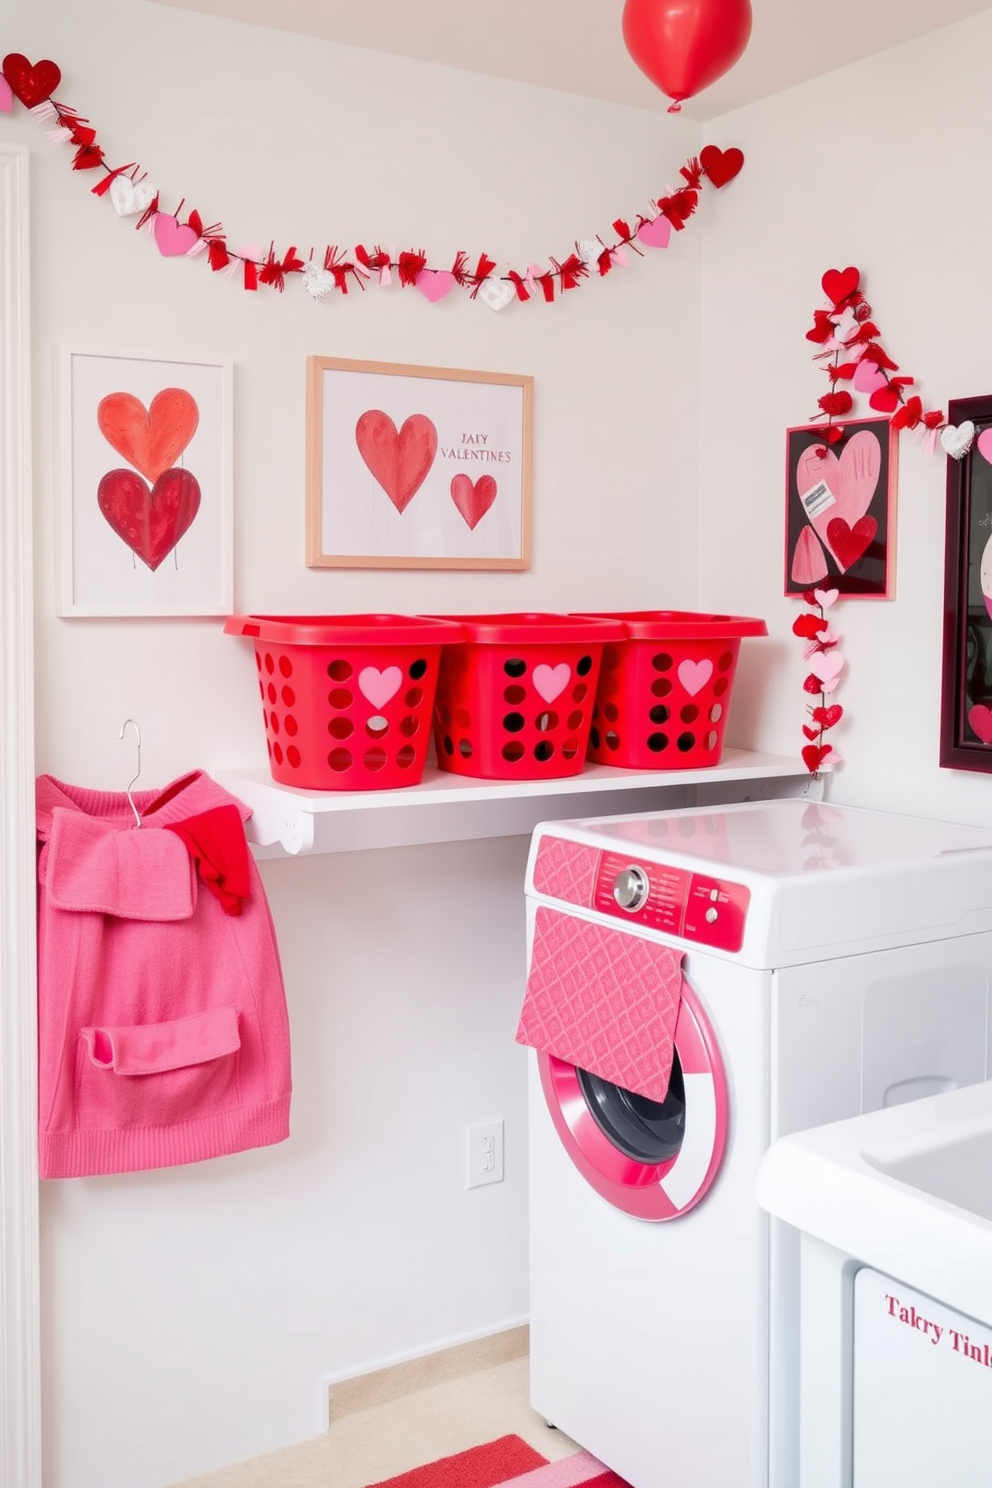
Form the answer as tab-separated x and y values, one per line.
826	597
809	564
868	377
656	233
6	96
473	500
826	666
378	686
853	479
980	719
434	284
694	675
985	444
549	681
173	238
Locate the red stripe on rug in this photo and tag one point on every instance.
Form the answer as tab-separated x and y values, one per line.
479	1467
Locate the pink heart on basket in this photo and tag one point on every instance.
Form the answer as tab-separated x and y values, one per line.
378	687
655	233
694	675
434	284
980	719
549	681
173	238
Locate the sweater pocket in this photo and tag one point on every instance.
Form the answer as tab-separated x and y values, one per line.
158	1074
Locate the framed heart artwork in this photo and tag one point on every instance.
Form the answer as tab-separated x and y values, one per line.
966	690
840	508
145	516
417	467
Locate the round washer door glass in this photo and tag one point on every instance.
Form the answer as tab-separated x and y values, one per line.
653	1159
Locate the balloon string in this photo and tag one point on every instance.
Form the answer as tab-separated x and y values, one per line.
675	108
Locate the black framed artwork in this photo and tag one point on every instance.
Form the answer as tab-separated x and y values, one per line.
966	683
840	508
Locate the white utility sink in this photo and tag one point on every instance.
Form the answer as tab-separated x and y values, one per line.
895	1214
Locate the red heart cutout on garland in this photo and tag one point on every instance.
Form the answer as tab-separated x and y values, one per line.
473	501
850	543
885	399
827	717
149	522
399	461
721	165
811	733
838	284
32	85
814	755
809	626
980	719
150	439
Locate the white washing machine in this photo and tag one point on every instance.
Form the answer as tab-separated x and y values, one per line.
701	982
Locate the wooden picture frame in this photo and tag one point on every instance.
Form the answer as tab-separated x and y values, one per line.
966	680
840	509
146	509
417	467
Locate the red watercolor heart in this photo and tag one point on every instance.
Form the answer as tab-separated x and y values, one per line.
149	522
814	755
473	501
980	719
808	627
721	165
398	461
839	283
32	85
827	717
150	439
850	543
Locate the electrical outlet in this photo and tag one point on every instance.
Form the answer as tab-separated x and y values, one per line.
485	1154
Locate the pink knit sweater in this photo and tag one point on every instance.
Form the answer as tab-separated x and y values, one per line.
163	1033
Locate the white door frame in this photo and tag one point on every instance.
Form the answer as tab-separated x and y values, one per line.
20	1333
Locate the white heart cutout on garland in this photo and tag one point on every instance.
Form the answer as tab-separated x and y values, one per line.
956	440
317	281
497	293
130	197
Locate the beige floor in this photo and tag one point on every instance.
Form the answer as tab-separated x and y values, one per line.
366	1446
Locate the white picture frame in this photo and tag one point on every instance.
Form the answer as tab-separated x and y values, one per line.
147	498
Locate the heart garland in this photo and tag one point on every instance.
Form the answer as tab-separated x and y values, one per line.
853	352
825	666
132	195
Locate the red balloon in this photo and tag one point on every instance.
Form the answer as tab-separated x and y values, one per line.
685	45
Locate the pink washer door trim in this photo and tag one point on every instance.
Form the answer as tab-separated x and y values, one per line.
640	1188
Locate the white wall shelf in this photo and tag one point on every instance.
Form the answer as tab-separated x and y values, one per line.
453	808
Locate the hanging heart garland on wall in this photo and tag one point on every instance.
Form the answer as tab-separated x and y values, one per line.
132	195
825	666
853	353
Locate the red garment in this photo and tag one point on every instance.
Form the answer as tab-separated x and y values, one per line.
216	842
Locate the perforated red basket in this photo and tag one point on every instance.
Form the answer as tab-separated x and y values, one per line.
664	691
346	699
514	699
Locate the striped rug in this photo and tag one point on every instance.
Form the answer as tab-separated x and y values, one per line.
507	1463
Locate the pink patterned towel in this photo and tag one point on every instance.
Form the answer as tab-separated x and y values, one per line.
604	1000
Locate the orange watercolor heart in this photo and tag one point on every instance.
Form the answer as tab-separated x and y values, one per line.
150	439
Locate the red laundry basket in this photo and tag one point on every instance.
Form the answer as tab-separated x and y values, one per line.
514	699
346	699
664	691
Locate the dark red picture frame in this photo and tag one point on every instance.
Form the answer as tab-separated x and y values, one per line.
966	682
859	561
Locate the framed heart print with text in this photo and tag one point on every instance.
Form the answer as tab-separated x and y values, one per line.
145	516
417	467
840	509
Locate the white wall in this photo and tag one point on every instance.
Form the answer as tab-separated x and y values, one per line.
189	1314
880	165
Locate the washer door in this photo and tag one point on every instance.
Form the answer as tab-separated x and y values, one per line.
652	1159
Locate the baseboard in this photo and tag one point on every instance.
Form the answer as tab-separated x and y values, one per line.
406	1376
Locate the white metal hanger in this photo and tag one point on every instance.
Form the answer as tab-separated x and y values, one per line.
134	777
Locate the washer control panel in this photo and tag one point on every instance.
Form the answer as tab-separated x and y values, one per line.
693	906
